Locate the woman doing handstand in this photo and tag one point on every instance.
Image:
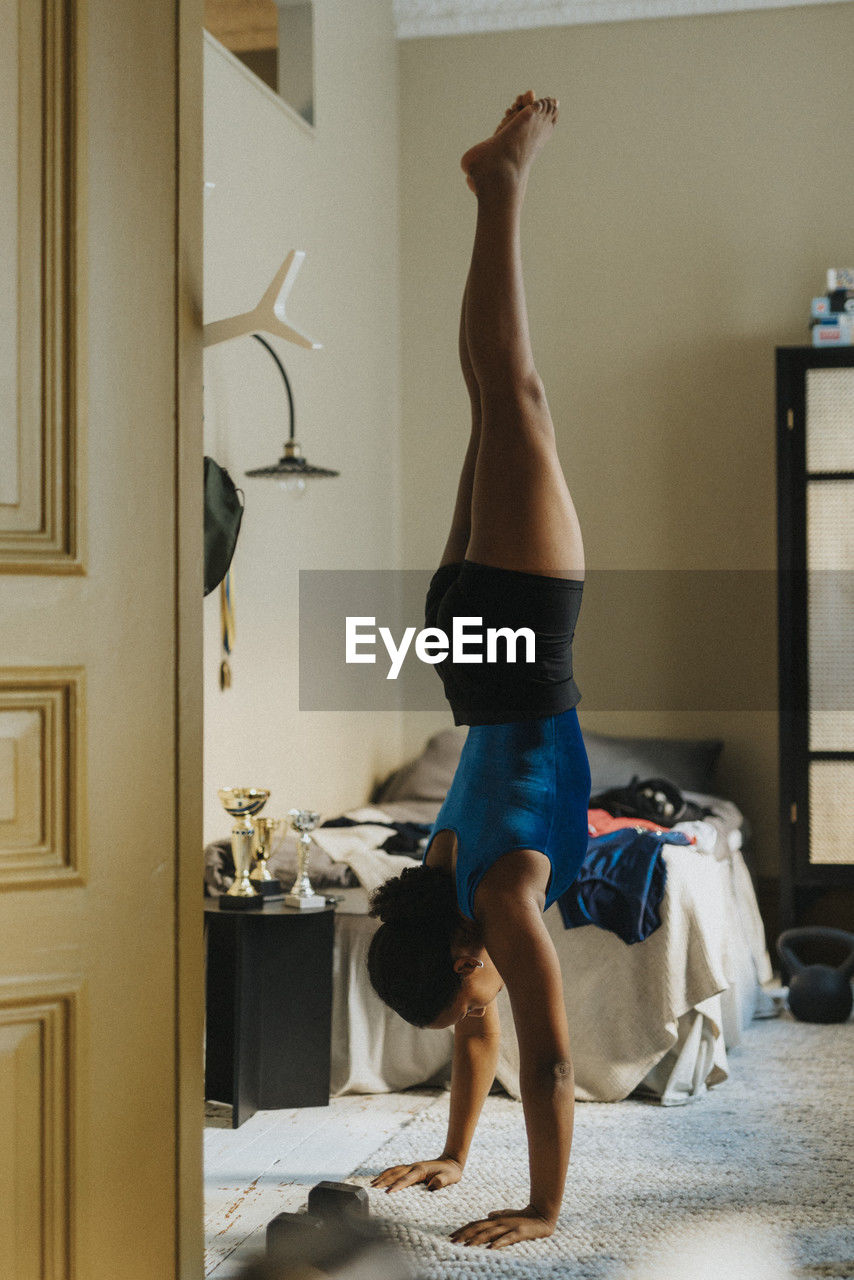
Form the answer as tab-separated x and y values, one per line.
512	832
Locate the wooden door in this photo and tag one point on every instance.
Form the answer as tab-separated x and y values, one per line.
100	640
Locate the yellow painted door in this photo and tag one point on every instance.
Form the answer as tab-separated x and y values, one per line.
100	640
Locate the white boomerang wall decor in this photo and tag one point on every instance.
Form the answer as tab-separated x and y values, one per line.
269	316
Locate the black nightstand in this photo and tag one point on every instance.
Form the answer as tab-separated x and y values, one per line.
269	1007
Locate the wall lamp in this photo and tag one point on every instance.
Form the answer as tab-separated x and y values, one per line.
292	468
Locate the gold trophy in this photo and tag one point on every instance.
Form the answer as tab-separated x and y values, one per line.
263	882
301	894
242	803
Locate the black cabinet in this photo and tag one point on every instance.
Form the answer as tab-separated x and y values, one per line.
815	491
268	1007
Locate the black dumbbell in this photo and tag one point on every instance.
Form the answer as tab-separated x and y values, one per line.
338	1200
338	1218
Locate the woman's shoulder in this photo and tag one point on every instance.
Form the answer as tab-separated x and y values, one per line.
441	855
520	875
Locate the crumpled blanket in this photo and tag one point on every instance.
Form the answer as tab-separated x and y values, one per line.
360	852
657	1016
360	847
406	837
282	865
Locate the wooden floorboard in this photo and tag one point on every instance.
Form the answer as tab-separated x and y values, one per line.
268	1165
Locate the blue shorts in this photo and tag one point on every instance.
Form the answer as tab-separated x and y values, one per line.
519	785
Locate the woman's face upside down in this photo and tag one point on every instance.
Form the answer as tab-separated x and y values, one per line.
480	983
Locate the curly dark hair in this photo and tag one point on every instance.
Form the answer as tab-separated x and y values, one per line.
409	960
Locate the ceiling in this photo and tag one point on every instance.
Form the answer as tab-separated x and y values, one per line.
459	17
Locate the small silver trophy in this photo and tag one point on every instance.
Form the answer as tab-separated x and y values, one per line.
242	803
301	894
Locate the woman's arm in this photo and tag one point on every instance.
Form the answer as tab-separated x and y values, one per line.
476	1042
518	942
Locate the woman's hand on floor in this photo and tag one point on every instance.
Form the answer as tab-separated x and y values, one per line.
503	1227
435	1173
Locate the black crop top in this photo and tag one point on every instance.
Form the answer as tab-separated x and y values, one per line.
501	691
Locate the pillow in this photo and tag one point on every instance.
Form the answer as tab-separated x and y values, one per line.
429	775
689	762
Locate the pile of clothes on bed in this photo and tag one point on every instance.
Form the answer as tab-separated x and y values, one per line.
620	885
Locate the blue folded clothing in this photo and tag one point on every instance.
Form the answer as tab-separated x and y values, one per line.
621	883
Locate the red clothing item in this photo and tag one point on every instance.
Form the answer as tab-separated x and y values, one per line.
600	821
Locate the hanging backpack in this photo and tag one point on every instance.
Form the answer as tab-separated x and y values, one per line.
223	514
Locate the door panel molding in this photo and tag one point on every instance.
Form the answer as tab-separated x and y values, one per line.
101	672
42	776
41	513
38	1148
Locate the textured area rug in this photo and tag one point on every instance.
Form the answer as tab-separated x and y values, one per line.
767	1156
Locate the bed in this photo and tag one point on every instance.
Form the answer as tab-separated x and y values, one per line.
652	1019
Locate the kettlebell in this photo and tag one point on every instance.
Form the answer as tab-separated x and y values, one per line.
818	992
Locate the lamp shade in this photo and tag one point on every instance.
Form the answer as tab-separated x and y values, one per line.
292	463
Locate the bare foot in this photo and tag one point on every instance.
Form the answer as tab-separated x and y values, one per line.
526	127
523	100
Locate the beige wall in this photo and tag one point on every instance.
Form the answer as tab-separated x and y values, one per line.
676	228
332	193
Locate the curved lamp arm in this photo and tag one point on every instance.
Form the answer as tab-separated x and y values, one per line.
285	379
292	463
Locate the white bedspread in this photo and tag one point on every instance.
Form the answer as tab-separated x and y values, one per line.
657	1016
659	1013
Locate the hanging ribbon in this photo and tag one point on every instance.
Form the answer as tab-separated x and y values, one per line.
227	628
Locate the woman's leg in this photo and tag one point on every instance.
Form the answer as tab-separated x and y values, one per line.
522	516
458	537
460	531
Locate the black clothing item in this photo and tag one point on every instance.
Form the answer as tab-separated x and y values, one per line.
656	799
407	837
501	691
